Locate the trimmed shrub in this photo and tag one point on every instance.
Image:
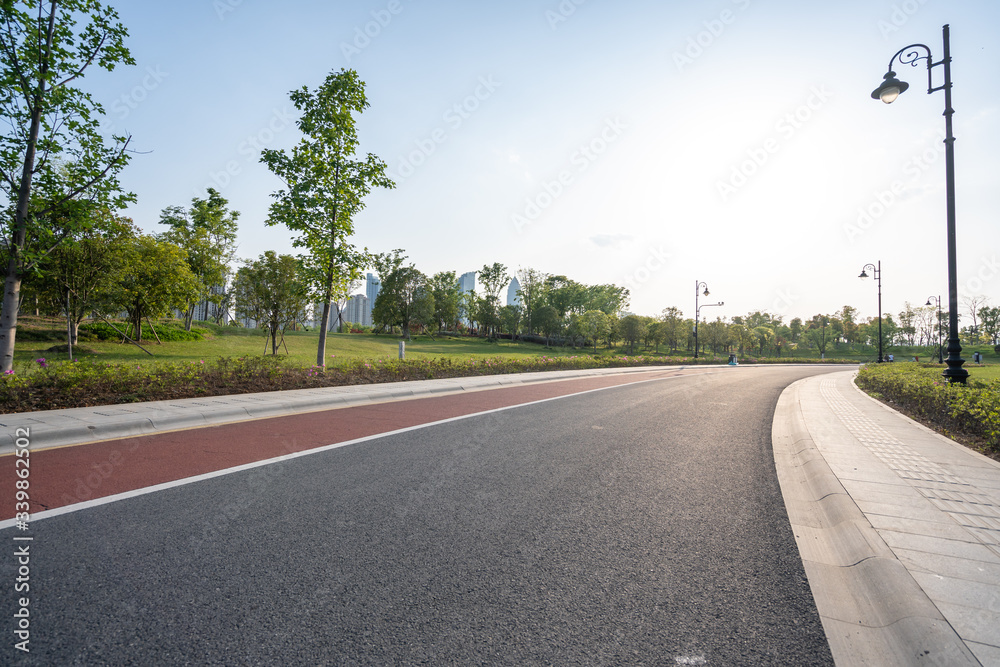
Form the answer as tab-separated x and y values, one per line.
972	409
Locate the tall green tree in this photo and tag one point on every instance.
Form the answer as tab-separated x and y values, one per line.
51	149
674	329
270	290
493	278
532	293
208	233
444	287
325	184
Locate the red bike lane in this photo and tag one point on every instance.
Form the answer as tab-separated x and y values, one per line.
68	475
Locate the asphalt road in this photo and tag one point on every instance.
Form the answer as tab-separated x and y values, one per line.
640	524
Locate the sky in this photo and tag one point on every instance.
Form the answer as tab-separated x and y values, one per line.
649	144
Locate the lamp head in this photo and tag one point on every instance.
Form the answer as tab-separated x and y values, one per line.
863	274
705	293
890	88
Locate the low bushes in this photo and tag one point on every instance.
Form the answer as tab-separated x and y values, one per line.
970	410
89	382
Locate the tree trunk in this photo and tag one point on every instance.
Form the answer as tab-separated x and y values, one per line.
8	317
324	322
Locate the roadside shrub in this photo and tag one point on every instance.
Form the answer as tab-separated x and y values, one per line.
972	409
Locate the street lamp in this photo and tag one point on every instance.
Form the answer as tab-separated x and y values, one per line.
937	300
877	271
697	310
888	91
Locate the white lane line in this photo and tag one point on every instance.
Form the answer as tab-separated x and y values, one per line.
76	507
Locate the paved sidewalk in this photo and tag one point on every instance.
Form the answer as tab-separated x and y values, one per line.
898	528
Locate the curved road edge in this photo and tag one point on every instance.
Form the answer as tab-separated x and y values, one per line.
872	609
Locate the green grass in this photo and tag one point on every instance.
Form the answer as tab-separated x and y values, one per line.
37	335
301	347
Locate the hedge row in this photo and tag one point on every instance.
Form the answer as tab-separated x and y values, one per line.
972	409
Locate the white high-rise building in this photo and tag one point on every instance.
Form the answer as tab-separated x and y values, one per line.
513	298
372	288
467	283
358	310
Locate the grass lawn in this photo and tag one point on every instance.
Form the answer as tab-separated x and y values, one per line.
300	345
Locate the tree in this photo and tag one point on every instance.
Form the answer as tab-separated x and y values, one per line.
609	299
819	332
271	291
52	151
405	299
325	186
655	333
154	279
633	329
765	338
444	287
673	326
80	275
532	294
990	319
548	321
510	319
972	306
208	233
594	324
493	278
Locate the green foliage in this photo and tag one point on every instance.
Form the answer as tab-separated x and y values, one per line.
52	150
921	390
325	186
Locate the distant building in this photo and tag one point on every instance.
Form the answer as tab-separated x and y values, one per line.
513	298
207	311
358	310
372	288
467	283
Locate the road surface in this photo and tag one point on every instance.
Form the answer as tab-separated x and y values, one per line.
637	524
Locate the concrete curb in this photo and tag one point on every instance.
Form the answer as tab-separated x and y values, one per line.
56	428
873	610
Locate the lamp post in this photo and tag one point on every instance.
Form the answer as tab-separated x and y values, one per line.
937	300
877	271
697	310
887	92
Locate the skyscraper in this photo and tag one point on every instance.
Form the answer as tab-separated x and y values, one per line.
467	283
513	298
372	287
